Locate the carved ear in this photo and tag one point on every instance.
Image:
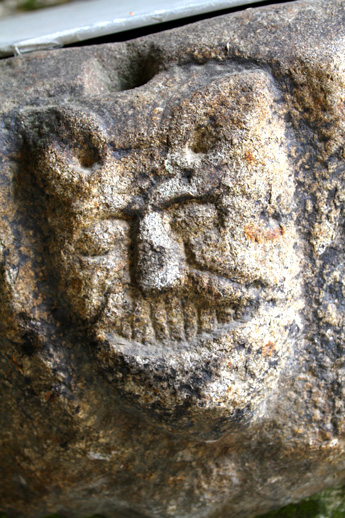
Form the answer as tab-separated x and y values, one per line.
63	146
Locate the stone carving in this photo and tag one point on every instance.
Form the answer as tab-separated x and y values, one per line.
171	243
182	266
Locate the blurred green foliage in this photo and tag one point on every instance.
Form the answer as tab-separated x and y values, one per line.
9	7
32	5
327	504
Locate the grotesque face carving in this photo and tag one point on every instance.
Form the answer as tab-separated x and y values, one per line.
179	255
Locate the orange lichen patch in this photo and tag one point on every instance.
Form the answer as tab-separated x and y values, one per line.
252	233
248	156
260	235
49	396
19	367
268	349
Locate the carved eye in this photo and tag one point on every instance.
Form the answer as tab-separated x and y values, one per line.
81	147
204	138
66	146
75	156
87	156
65	169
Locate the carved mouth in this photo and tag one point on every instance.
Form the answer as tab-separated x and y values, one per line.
222	290
213	348
207	306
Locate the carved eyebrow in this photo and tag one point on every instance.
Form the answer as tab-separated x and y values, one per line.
40	126
170	191
194	184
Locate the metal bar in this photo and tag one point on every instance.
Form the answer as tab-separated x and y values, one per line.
79	21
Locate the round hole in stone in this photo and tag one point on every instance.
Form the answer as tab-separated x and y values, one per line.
139	69
203	140
88	157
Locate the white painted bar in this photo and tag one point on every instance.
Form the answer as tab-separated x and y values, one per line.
78	21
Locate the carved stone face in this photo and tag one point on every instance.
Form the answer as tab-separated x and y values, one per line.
180	258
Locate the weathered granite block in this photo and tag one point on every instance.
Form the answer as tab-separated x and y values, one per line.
171	269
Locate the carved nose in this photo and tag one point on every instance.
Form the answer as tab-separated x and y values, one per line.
161	261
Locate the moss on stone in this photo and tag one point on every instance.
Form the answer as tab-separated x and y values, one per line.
327	504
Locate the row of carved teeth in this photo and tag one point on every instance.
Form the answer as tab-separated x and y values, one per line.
168	319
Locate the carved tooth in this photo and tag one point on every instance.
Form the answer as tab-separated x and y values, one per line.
208	320
226	315
125	328
159	319
142	326
190	320
118	315
175	318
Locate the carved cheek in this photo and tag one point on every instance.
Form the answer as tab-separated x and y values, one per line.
197	225
271	251
94	265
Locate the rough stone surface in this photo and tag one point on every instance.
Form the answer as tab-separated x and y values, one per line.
171	270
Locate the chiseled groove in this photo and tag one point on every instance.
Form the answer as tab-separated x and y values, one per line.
190	319
198	310
151	316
